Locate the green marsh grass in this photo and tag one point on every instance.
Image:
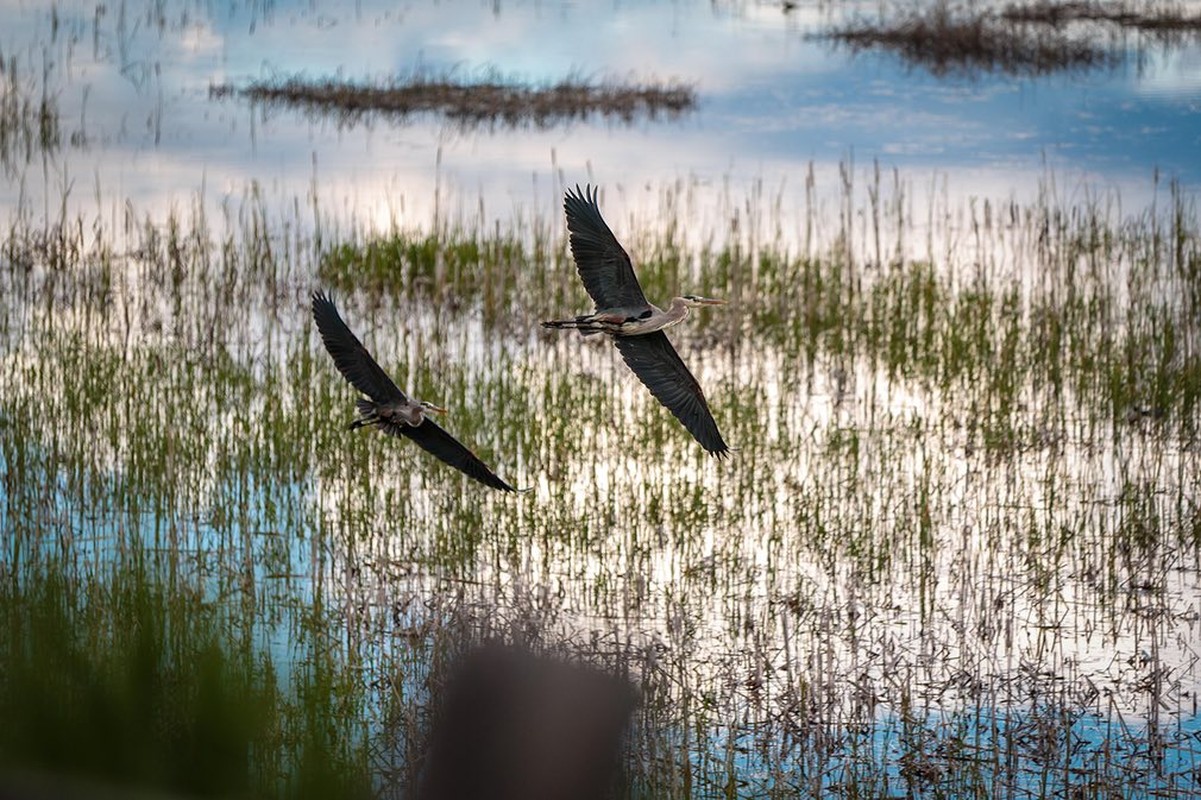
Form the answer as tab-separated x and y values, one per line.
120	679
959	531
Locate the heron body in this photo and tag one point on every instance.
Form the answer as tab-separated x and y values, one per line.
385	406
392	412
633	321
634	324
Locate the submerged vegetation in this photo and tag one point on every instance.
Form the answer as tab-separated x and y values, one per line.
1118	345
473	103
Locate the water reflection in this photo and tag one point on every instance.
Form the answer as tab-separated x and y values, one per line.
131	89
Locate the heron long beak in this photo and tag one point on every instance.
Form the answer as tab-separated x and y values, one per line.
436	409
711	301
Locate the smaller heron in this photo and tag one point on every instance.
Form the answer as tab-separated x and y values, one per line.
386	407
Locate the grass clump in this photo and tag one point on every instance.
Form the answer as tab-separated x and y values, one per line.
1031	39
1123	15
492	101
28	124
422	264
127	681
947	42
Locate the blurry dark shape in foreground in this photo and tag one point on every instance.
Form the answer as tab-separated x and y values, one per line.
473	103
514	726
946	42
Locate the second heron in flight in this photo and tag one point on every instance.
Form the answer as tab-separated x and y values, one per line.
635	325
386	407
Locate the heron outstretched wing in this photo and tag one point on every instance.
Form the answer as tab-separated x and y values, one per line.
351	358
441	444
603	265
659	366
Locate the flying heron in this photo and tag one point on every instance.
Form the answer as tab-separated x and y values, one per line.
386	406
635	325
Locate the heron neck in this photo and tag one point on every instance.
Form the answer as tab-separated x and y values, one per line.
415	414
677	311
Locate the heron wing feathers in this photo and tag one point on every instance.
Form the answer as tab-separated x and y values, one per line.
350	357
604	266
436	441
660	368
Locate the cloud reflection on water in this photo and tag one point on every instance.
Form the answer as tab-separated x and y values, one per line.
136	92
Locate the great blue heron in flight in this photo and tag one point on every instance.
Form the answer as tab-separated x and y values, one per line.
386	406
635	325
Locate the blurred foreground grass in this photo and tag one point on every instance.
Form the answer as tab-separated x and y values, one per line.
120	679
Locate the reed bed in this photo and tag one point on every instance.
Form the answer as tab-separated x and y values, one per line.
955	554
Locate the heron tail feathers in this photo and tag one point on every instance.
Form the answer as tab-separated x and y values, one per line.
367	415
586	325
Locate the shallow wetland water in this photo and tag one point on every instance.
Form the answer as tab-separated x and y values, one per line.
956	551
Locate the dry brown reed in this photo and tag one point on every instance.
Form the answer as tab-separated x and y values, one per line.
946	42
487	102
1121	14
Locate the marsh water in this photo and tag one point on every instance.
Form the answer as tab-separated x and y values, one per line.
955	552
